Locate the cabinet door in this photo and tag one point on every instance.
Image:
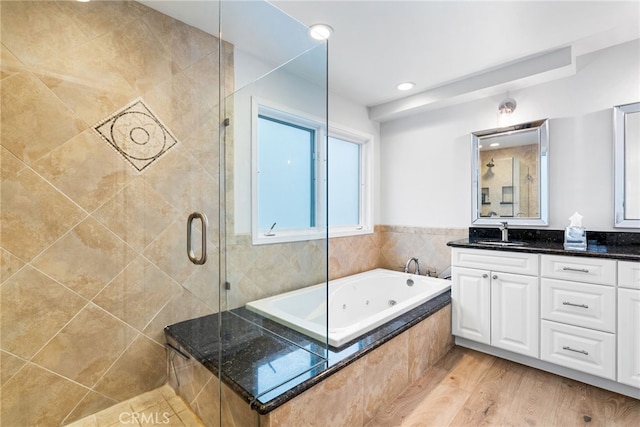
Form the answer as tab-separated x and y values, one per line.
629	274
470	301
514	313
629	337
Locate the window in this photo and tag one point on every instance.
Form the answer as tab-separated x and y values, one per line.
350	176
286	171
292	171
344	182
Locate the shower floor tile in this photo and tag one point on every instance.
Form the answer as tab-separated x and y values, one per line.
157	407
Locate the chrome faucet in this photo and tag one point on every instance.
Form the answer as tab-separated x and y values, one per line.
408	264
504	229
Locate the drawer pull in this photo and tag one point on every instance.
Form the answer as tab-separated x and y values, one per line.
575	305
586	353
485	275
578	270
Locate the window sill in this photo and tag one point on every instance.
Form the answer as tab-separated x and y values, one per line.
349	231
292	236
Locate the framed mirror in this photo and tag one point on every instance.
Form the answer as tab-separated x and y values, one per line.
510	175
626	128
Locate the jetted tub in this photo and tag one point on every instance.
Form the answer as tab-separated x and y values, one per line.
357	304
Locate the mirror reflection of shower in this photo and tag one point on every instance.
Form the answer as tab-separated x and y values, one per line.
508	167
529	182
489	173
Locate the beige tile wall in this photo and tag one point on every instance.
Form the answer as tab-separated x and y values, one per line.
92	256
265	270
390	247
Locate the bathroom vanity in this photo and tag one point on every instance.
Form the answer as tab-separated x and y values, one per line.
575	314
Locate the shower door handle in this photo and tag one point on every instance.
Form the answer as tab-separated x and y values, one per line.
190	252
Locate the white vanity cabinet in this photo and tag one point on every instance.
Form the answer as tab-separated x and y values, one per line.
495	299
578	307
629	323
576	316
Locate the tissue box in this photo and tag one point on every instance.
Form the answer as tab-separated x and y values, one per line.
575	239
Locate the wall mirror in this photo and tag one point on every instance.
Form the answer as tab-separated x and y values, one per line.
626	120
510	179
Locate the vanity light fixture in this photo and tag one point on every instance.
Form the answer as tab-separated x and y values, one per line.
507	106
405	86
320	31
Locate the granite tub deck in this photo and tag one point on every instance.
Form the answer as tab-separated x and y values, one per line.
273	375
601	244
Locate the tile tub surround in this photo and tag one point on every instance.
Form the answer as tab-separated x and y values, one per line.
69	199
390	246
601	244
382	363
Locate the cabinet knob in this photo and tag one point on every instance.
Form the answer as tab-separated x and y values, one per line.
485	275
495	276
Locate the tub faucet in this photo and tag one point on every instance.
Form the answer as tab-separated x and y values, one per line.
504	229
408	264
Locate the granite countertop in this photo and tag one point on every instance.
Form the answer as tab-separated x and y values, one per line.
612	245
267	363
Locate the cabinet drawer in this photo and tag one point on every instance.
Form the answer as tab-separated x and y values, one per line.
581	349
629	274
581	269
579	304
508	262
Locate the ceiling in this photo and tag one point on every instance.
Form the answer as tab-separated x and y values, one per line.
449	49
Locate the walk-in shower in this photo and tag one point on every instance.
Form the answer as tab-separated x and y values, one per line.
121	120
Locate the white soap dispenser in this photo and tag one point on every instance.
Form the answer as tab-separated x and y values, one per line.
575	236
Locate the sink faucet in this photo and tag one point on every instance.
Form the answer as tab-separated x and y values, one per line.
408	264
504	229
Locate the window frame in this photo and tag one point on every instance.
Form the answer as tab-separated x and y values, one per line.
365	214
272	110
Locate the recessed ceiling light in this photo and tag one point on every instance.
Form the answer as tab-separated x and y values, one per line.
320	31
405	86
495	144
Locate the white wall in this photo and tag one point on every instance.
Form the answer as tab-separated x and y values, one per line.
426	159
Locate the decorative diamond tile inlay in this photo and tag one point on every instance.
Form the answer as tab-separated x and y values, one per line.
137	134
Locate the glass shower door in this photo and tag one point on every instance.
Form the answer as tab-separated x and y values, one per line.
273	193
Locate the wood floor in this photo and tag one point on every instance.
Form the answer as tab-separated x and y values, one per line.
468	388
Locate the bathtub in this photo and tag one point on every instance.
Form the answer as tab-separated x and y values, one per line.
356	304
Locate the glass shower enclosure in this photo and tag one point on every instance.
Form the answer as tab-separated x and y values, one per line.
128	201
273	182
